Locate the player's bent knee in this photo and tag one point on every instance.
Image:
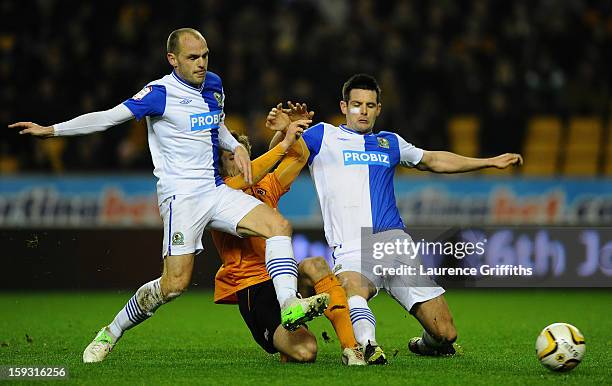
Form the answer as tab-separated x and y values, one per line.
356	285
282	227
171	293
449	330
446	333
310	350
449	337
278	225
450	334
305	352
172	288
313	266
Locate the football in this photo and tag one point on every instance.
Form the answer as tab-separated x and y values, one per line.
560	347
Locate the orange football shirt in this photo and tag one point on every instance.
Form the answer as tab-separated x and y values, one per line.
244	258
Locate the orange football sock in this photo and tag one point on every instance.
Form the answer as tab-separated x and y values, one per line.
338	311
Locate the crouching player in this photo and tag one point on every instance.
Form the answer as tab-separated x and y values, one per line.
243	277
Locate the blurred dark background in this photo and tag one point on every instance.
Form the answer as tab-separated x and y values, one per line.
478	77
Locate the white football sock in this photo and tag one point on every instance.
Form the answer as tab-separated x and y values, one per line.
139	308
364	322
282	267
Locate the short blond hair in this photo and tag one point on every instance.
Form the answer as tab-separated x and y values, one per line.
243	140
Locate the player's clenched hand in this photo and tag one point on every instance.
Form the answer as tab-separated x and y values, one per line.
298	111
505	160
294	131
243	161
33	129
277	119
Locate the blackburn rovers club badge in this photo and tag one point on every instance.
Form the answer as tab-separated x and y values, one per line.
178	238
383	142
219	98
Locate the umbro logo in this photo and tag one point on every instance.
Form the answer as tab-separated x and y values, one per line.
185	101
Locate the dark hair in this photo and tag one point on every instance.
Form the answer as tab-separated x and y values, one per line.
172	45
362	82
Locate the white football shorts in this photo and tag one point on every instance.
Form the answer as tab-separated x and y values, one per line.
186	216
391	272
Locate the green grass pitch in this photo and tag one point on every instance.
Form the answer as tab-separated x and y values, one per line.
193	341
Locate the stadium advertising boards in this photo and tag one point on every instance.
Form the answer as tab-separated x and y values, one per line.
118	201
552	233
465	201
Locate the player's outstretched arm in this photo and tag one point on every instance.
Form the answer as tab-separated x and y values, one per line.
33	129
293	163
447	162
297	156
83	124
263	164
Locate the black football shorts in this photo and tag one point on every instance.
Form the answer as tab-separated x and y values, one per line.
261	312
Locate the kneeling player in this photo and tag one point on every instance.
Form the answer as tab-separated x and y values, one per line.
243	277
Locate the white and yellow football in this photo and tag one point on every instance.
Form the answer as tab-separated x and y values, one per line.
560	347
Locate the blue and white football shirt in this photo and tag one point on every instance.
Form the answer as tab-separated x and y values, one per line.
353	175
185	129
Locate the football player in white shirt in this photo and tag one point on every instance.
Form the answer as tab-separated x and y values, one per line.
352	169
184	115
